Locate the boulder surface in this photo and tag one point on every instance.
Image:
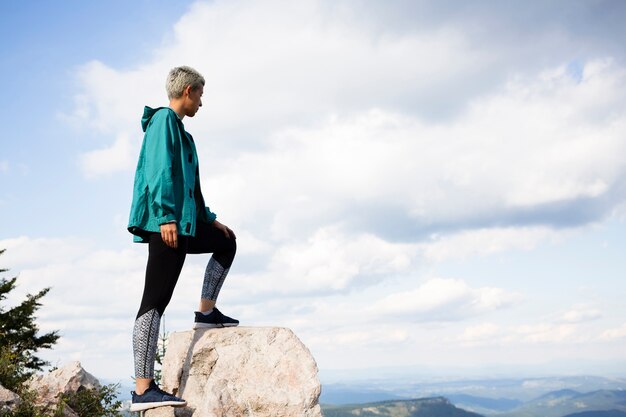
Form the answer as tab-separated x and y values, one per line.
241	372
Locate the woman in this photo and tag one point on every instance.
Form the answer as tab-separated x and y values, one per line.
169	214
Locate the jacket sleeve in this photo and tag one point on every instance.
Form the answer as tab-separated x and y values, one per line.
210	215
159	159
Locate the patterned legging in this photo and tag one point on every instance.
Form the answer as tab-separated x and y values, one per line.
162	272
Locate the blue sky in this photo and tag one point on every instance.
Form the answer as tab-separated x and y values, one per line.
411	183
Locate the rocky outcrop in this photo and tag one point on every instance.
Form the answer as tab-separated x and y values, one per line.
69	378
8	400
240	372
166	412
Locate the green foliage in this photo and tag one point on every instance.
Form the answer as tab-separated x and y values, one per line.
19	339
101	402
27	407
11	373
97	402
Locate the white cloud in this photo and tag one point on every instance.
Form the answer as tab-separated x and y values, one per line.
308	117
484	333
580	314
270	62
87	273
117	157
429	174
444	299
26	252
541	333
111	101
614	334
558	145
547	333
469	243
249	244
385	337
4	166
329	261
269	70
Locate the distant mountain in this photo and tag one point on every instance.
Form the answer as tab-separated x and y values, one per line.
423	407
559	394
483	405
521	389
609	413
339	394
566	402
555	396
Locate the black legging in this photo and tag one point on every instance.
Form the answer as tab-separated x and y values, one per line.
162	272
165	263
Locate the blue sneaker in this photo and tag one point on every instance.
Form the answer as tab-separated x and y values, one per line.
215	319
154	397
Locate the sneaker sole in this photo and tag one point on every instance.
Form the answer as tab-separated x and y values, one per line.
212	326
147	406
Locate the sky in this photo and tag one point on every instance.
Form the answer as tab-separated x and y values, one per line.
431	186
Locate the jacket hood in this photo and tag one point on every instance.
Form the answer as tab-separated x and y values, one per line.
148	112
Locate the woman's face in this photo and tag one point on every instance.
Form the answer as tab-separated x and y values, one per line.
194	101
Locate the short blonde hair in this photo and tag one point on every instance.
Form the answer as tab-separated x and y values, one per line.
179	78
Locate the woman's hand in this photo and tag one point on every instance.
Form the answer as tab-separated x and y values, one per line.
229	233
169	234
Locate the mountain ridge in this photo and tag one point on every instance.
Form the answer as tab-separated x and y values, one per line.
601	413
419	407
567	402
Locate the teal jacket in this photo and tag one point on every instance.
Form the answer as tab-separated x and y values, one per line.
167	180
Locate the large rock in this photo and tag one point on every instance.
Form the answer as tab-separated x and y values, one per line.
164	412
241	371
8	400
69	378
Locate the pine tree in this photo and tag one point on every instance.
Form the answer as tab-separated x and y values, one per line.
19	339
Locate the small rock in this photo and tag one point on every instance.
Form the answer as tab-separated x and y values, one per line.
69	378
8	399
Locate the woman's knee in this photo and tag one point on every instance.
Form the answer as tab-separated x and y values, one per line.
226	254
233	245
231	249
